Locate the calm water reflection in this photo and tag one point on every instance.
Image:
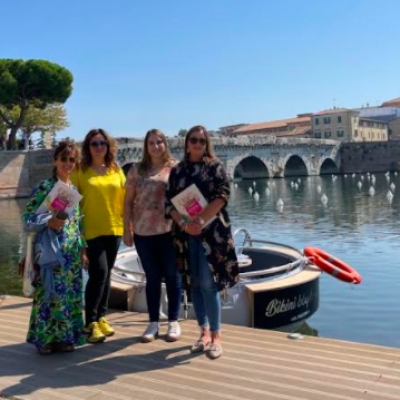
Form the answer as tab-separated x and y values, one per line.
10	231
361	229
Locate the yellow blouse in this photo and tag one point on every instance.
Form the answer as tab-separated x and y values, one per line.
102	204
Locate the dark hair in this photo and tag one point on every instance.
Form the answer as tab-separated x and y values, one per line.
65	148
145	163
110	156
209	152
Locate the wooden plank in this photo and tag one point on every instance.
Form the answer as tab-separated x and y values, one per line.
256	364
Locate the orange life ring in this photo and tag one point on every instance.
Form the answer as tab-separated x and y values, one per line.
332	265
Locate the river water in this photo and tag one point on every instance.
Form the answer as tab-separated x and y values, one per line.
361	229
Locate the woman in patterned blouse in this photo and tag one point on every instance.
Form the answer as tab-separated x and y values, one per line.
205	251
144	213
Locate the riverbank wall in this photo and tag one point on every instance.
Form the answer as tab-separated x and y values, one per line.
373	157
21	170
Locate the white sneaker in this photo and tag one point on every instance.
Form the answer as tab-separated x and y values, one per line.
174	331
151	332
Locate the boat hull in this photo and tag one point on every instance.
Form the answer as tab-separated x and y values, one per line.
277	301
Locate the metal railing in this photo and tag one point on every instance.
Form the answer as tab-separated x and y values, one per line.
248	241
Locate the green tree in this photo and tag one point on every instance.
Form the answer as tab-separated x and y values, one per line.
182	132
3	135
52	118
31	83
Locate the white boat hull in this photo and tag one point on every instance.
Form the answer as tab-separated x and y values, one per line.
276	300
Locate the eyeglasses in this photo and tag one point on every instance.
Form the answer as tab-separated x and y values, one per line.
98	144
195	140
67	159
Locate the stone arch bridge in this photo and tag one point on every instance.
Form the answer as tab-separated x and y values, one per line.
257	157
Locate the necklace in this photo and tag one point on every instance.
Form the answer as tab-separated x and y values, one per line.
100	169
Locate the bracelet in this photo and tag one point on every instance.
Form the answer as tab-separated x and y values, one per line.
181	222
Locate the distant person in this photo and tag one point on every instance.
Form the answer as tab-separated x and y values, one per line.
56	322
145	212
2	142
101	183
205	254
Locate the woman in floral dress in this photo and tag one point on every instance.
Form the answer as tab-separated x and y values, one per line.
56	321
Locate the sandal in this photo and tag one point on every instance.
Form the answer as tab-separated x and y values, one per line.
200	346
65	347
46	349
215	351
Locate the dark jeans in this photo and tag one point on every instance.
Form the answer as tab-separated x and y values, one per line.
157	256
102	252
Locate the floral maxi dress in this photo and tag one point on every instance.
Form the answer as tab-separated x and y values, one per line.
60	320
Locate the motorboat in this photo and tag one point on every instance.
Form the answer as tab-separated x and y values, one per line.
278	287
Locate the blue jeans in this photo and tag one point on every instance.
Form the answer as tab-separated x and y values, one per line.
157	256
205	296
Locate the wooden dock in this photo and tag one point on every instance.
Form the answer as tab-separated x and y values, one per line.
256	364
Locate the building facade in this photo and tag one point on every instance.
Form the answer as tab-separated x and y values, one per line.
394	129
383	113
347	125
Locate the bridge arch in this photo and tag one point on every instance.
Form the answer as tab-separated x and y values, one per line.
328	167
251	167
295	166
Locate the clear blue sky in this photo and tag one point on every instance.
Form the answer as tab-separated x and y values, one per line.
171	64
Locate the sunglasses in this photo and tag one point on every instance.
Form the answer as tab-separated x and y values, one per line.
195	140
98	144
67	159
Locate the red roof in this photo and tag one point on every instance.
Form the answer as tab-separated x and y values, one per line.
392	103
300	130
333	111
272	124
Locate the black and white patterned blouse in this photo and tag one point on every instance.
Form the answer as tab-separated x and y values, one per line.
211	179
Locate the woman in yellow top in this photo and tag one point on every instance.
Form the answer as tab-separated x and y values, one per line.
101	183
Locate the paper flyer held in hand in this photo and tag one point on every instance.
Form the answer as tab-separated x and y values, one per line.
190	203
61	198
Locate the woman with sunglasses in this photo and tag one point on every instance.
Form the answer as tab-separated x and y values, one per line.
56	322
205	251
145	212
101	183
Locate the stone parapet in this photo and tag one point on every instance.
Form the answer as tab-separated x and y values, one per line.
21	170
258	156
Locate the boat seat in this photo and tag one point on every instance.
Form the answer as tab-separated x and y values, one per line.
264	259
122	295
